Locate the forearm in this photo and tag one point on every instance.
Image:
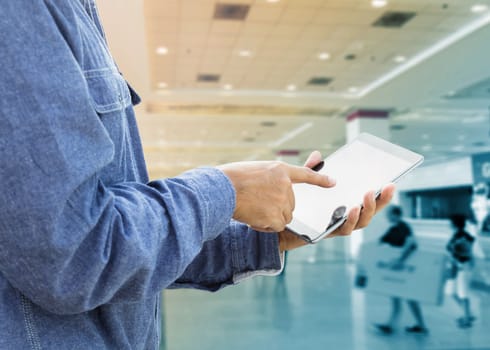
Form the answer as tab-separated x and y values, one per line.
133	241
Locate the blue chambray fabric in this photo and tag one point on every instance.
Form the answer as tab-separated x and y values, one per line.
87	242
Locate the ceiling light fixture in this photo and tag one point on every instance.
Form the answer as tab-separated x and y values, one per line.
228	87
244	53
399	59
379	3
353	89
161	50
323	56
162	85
272	1
291	87
479	8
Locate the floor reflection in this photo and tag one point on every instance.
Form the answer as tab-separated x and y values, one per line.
312	306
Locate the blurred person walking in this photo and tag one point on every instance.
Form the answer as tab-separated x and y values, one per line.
400	236
460	248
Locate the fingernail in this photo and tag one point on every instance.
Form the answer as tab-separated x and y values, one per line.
319	166
331	180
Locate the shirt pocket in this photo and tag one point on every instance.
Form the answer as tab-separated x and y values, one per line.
108	90
110	98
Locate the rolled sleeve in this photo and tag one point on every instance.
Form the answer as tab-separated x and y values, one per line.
237	254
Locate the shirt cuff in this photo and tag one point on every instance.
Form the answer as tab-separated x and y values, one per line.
254	253
240	277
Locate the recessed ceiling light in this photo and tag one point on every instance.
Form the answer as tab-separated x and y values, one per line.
425	136
291	87
353	89
427	147
228	87
399	59
323	56
272	1
162	50
162	85
479	8
244	53
378	3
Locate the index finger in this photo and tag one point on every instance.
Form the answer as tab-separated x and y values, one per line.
298	174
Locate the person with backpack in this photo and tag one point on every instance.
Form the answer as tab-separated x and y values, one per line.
460	248
400	236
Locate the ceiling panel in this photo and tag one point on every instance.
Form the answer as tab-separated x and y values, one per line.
277	45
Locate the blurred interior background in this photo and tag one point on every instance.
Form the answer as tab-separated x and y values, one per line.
233	80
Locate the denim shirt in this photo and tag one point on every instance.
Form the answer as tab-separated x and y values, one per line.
87	242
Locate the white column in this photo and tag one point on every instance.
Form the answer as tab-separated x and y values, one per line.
374	122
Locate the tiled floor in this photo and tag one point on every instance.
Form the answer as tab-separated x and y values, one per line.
313	306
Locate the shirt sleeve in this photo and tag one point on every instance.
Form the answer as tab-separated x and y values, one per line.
68	240
237	254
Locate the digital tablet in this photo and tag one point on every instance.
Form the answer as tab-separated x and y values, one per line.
366	164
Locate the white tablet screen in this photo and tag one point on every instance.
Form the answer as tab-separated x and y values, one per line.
358	167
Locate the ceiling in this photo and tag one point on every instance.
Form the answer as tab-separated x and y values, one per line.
428	65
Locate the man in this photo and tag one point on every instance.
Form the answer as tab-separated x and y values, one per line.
87	242
400	236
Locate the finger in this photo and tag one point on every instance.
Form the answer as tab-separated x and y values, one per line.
287	211
291	199
368	209
385	197
277	223
288	216
299	174
314	158
350	224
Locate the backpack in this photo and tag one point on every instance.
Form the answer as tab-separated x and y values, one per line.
461	248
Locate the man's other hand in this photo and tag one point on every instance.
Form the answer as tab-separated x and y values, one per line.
356	218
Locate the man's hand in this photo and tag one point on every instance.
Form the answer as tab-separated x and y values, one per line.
356	218
264	194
